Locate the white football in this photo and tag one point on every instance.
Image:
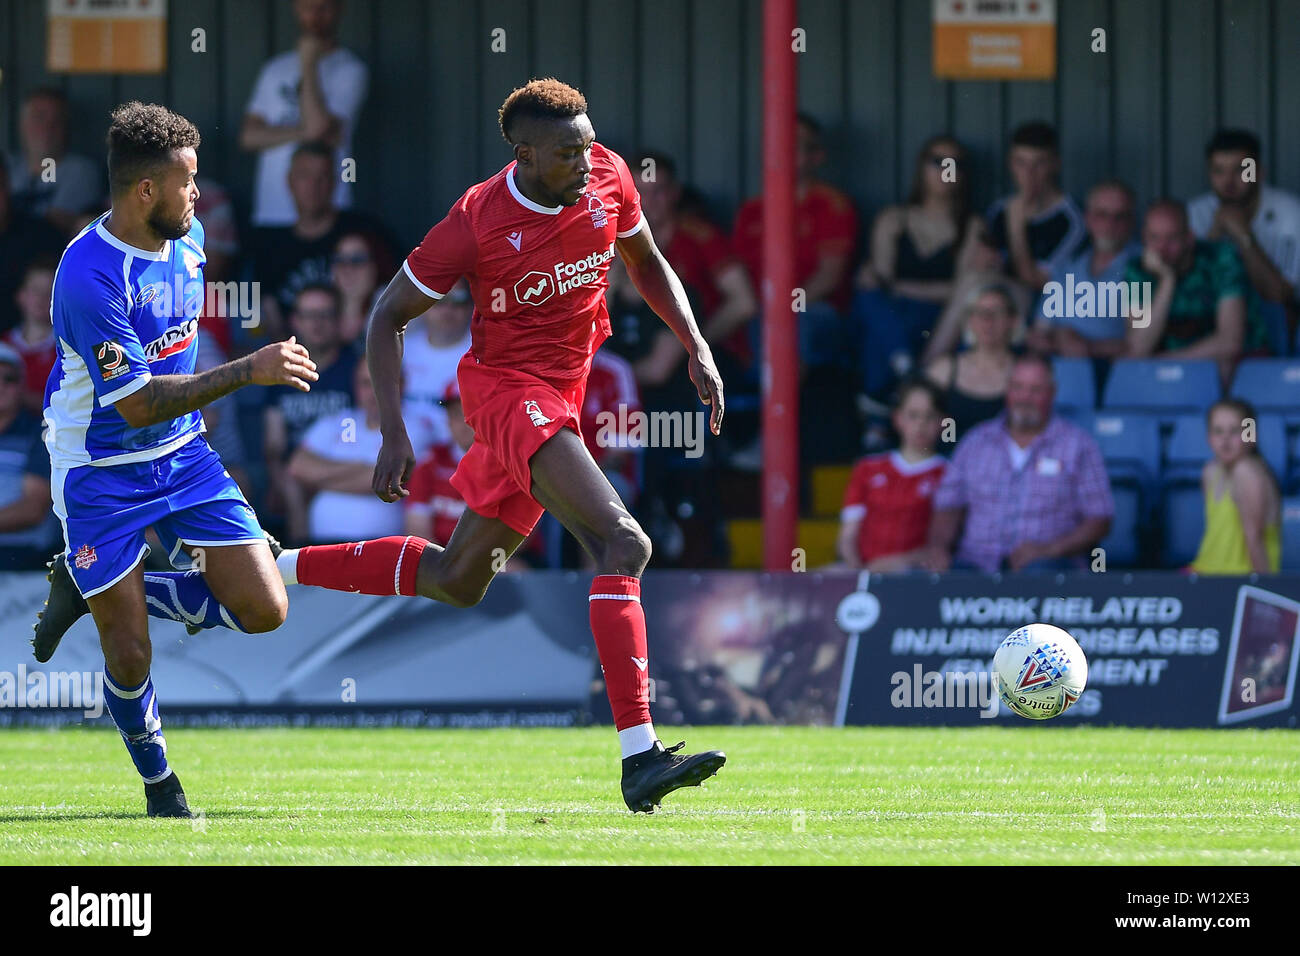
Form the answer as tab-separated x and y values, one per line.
1040	671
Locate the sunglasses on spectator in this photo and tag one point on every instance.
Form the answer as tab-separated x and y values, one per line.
328	314
12	378
355	259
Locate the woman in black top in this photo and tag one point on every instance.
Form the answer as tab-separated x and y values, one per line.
917	250
975	381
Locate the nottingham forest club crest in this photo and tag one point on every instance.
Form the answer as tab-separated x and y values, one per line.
599	218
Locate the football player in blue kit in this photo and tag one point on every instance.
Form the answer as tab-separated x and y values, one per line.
125	437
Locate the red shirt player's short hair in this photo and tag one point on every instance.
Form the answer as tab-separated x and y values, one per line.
548	98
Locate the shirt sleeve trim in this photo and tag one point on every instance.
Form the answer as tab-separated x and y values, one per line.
406	267
130	388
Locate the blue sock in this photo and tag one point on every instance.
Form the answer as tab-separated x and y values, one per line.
135	711
184	596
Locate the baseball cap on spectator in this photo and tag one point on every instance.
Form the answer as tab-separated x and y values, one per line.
450	394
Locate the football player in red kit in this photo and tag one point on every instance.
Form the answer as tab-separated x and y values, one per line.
535	242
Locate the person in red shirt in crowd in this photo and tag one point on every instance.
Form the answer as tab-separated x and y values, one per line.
33	337
612	391
826	229
434	505
701	255
887	506
535	242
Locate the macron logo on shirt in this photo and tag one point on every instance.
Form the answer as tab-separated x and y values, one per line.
515	238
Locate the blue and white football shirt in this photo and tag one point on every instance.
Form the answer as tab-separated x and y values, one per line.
121	315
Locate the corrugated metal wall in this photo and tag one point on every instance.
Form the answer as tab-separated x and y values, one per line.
684	76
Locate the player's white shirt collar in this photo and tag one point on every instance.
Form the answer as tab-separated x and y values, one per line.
129	249
524	200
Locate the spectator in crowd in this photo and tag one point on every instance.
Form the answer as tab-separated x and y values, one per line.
216	210
1038	227
27	529
826	227
434	505
46	180
1198	307
287	258
1262	222
1027	237
1097	330
334	465
433	346
1243	512
221	417
1026	491
354	270
23	238
311	93
917	250
612	391
886	515
289	413
974	382
700	253
33	337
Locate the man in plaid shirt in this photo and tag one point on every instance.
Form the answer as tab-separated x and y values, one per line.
1030	487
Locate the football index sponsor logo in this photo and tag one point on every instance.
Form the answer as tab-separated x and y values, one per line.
77	909
537	287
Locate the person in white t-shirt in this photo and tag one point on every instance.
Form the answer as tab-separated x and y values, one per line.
433	347
1262	221
313	92
336	460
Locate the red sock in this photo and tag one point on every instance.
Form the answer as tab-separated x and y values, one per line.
381	566
618	624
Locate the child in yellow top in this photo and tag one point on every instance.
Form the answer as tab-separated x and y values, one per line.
1242	503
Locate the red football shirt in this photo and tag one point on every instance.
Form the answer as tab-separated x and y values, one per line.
894	498
611	388
698	251
38	360
431	492
537	273
825	224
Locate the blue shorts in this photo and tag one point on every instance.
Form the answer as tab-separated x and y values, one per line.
188	497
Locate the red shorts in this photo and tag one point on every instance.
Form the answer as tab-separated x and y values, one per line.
512	414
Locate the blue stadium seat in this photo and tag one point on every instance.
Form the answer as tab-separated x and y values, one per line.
1162	385
1189	448
1076	384
1130	445
1291	534
1273	317
1121	543
1184	525
1269	383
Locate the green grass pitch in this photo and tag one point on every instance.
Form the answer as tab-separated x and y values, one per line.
1020	795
